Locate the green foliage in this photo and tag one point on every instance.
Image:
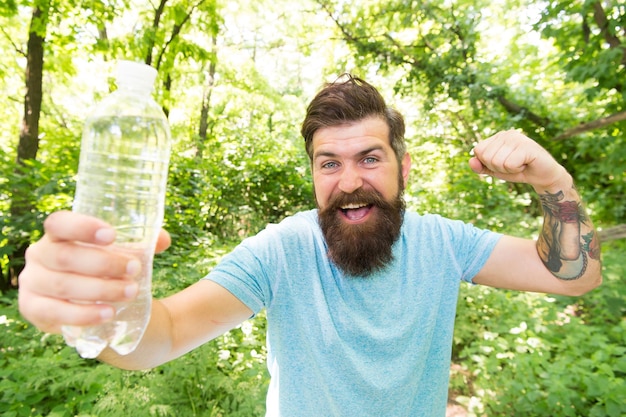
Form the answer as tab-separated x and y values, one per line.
225	377
591	39
485	68
461	71
237	188
447	186
535	354
49	184
543	355
434	43
55	379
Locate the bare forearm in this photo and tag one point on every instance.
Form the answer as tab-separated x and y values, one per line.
568	244
155	347
182	322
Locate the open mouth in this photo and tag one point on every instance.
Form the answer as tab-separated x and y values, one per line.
355	211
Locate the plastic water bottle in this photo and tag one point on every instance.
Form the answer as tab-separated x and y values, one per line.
122	177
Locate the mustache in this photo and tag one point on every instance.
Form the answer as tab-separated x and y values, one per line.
359	196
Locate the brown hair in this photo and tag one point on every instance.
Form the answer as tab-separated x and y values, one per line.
350	99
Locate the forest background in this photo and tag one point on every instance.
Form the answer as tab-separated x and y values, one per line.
234	79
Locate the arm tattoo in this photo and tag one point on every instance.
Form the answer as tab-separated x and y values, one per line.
562	247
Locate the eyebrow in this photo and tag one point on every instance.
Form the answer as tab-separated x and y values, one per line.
362	153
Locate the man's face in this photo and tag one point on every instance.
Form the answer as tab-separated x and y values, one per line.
358	187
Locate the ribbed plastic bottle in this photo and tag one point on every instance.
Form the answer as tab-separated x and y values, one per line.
122	178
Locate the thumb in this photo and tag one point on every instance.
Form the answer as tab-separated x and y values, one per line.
478	167
163	241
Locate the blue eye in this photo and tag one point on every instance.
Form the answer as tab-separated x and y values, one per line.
330	165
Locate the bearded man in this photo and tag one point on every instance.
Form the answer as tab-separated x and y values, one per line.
360	294
360	220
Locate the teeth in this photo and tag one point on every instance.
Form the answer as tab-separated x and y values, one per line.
352	206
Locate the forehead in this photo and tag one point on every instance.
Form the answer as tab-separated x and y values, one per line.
363	133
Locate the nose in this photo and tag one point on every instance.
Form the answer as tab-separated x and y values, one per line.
350	180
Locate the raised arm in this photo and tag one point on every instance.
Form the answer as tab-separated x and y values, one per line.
71	262
565	259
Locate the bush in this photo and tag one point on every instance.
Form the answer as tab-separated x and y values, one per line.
43	377
541	355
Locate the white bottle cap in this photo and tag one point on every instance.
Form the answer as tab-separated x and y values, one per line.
136	75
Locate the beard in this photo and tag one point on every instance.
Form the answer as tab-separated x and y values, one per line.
362	249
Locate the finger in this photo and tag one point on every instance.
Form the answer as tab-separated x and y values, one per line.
164	241
67	225
500	152
49	314
81	259
486	150
504	153
508	160
78	288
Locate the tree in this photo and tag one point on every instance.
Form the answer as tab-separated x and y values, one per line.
21	202
67	24
45	34
442	51
203	124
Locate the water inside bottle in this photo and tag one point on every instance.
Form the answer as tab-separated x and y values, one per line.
122	180
123	174
124	332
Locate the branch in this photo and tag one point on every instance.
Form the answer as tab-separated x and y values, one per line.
613	233
600	17
596	124
158	13
414	62
15	47
175	32
343	30
360	44
515	108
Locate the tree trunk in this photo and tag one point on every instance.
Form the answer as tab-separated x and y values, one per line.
29	135
22	203
613	233
206	105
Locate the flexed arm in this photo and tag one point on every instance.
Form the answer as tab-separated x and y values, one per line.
563	246
567	246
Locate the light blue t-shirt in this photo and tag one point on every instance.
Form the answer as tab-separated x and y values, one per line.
346	346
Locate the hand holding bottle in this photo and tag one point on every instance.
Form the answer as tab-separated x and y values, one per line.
100	271
73	261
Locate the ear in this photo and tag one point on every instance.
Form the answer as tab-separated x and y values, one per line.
406	168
